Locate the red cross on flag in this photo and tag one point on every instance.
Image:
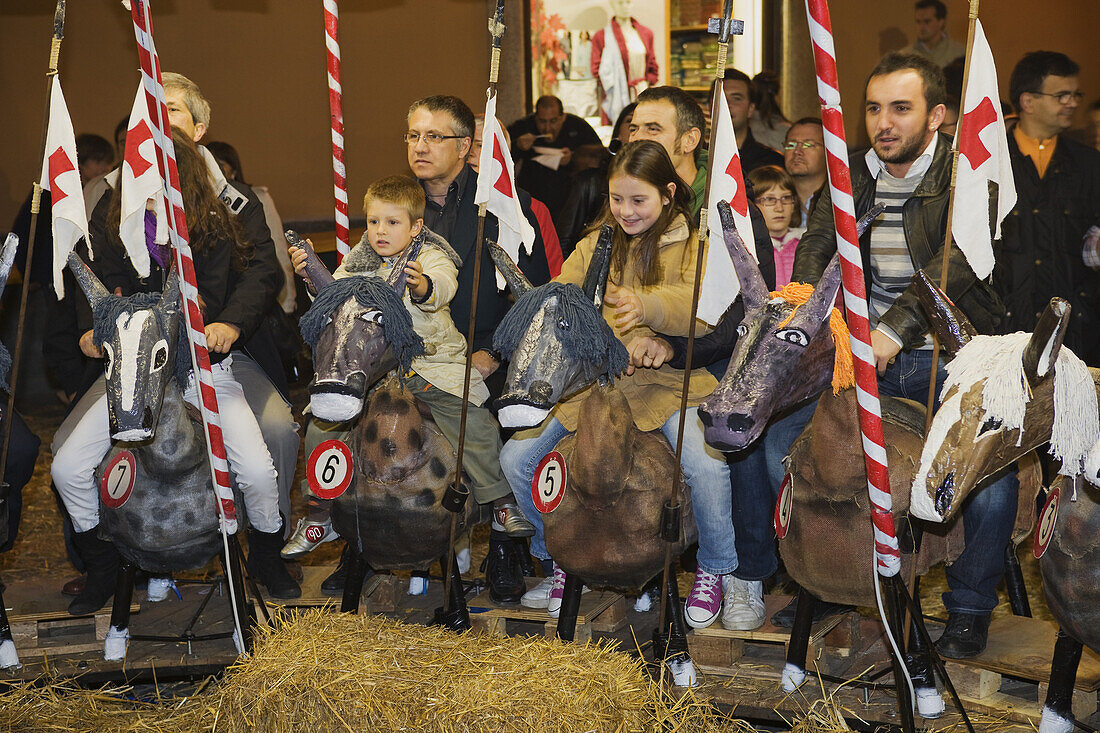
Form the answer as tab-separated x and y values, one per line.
61	178
983	157
720	285
496	189
141	182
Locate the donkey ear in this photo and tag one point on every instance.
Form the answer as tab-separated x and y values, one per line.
397	275
516	280
1046	341
7	257
595	280
170	293
754	291
868	219
820	304
86	279
952	326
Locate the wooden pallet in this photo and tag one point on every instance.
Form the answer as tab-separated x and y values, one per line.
379	592
718	650
602	611
41	624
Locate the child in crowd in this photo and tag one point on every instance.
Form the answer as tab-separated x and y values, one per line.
777	198
649	290
394	208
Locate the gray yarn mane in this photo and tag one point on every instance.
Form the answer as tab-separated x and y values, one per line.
371	292
362	259
585	337
5	366
105	315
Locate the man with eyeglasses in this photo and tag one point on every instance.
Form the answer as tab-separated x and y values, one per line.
440	133
804	159
1049	245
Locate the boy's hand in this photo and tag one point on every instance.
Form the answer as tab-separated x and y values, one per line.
627	305
88	347
415	280
485	363
221	336
298	258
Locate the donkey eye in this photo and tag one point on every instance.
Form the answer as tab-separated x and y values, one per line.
742	329
160	356
989	425
792	336
110	353
563	324
372	317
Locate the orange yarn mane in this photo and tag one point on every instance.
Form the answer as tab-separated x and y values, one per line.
844	375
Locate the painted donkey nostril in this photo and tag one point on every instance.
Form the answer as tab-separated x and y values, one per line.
705	418
541	391
147	419
945	494
738	422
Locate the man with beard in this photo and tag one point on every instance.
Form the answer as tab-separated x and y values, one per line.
908	169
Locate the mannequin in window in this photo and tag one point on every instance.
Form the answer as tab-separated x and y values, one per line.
626	65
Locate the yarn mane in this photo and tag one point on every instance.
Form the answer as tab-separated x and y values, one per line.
105	315
844	375
998	360
373	293
586	337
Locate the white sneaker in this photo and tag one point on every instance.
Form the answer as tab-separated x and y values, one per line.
418	585
538	596
307	537
158	588
743	607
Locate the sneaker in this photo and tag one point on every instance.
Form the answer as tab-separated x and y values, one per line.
705	600
557	590
158	589
509	519
743	608
307	537
538	596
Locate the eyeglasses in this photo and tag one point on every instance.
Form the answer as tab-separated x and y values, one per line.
785	199
804	144
432	138
1062	97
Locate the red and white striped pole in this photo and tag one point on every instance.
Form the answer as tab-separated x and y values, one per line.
335	105
177	226
888	557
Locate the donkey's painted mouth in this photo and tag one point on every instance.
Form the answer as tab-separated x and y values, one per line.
520	413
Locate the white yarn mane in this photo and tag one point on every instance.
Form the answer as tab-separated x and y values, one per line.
999	361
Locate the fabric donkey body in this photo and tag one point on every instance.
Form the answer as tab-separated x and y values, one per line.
169	520
986	421
606	527
359	331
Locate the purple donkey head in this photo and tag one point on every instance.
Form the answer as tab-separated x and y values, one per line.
784	352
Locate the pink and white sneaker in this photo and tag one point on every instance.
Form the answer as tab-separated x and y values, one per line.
705	601
557	590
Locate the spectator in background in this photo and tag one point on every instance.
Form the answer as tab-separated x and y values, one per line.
740	96
96	186
1094	123
669	116
549	233
932	39
804	160
230	162
767	123
546	177
589	193
777	198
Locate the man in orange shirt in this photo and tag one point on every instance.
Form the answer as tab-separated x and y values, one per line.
1050	243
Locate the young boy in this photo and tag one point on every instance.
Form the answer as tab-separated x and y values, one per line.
394	208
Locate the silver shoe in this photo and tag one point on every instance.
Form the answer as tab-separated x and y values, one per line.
307	537
512	520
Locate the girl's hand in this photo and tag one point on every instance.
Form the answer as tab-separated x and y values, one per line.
298	258
415	280
627	305
648	352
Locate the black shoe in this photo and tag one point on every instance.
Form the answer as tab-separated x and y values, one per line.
503	570
784	617
267	567
334	583
964	636
101	560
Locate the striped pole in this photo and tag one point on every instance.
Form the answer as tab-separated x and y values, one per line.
335	105
177	226
888	557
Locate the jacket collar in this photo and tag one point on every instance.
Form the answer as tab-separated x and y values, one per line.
936	178
676	233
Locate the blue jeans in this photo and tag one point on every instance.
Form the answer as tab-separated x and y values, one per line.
989	513
705	468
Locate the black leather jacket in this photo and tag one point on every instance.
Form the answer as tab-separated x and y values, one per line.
924	218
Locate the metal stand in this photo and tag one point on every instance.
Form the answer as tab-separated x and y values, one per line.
353	583
570	607
453	614
1014	583
670	640
1063	673
895	614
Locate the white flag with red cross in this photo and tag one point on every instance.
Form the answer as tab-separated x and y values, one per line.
61	177
983	157
496	188
720	284
141	182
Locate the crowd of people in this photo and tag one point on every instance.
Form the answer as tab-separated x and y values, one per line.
648	185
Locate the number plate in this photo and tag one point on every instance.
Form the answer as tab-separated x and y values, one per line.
329	470
548	487
783	507
1047	520
118	480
